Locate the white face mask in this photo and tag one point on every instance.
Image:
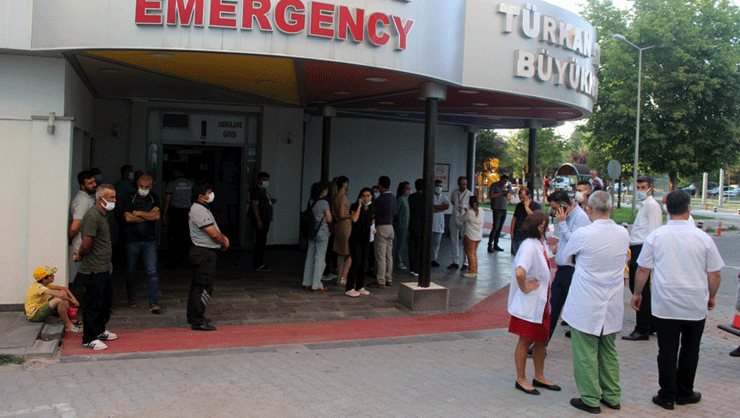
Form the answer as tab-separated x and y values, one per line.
143	192
131	176
579	196
438	190
211	197
265	184
376	195
109	206
642	194
364	203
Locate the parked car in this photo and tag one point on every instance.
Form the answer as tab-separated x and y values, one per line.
691	189
624	187
561	183
732	193
715	192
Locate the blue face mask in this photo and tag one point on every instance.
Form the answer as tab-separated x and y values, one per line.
642	194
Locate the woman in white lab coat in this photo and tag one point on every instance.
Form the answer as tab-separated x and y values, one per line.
528	295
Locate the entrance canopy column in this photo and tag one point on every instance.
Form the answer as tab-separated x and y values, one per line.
431	93
532	125
470	167
327	112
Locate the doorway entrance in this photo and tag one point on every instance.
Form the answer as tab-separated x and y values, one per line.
220	166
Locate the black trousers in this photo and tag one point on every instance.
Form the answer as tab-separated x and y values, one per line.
677	369
414	251
260	242
558	293
359	251
499	217
201	287
644	319
96	304
178	234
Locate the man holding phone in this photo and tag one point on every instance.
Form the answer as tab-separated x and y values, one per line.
569	218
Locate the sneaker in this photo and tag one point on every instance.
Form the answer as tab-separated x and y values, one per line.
326	278
413	273
132	303
76	329
464	268
96	345
363	292
452	266
263	268
402	267
107	336
342	281
352	293
435	264
388	283
202	327
331	276
154	308
469	275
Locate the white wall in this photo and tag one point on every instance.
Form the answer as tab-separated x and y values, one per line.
365	149
110	152
282	143
15	24
36	172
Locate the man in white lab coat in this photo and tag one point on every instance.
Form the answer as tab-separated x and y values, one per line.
594	308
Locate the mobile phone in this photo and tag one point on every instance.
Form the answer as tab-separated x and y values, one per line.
564	207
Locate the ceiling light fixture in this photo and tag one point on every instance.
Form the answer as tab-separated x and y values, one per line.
160	55
480	104
468	91
376	79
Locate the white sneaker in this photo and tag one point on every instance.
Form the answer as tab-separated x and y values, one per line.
363	291
413	273
107	336
352	293
96	345
401	267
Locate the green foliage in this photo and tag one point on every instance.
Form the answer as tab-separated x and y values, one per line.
690	105
6	359
489	144
551	151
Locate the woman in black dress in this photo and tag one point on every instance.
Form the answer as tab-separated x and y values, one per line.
363	218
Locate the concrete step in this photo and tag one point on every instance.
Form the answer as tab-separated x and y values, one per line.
51	332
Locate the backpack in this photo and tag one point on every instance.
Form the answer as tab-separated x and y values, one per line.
308	228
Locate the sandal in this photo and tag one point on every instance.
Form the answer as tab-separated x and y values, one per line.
321	289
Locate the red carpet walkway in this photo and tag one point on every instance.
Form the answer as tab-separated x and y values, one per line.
487	314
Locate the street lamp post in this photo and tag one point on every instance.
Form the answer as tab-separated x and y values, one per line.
619	37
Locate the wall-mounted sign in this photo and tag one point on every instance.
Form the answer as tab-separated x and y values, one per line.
319	19
442	173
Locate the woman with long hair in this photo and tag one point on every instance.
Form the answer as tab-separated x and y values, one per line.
401	245
363	217
472	234
316	255
342	226
528	295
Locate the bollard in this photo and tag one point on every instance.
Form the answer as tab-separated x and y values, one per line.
700	225
736	321
714	209
719	229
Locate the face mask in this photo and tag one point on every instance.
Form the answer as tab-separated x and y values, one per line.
109	206
437	190
550	230
579	196
211	197
376	195
143	192
130	176
642	194
265	184
365	203
98	178
408	192
323	195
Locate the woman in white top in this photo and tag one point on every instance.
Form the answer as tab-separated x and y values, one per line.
472	234
528	295
316	255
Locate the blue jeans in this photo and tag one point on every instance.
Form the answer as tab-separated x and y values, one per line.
148	251
316	258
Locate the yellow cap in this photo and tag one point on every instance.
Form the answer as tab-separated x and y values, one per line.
43	271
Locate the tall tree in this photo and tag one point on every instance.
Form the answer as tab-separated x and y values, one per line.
690	105
489	144
551	151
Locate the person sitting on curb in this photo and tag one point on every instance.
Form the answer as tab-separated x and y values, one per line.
44	299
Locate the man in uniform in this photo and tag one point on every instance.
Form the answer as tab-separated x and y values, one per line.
207	240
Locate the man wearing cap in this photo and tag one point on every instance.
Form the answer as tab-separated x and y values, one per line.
43	299
141	213
95	253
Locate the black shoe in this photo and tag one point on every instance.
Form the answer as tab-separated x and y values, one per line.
610	406
565	324
539	384
529	392
497	248
388	284
452	266
490	249
735	352
435	264
662	402
685	400
578	403
202	327
636	336
464	268
567	334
